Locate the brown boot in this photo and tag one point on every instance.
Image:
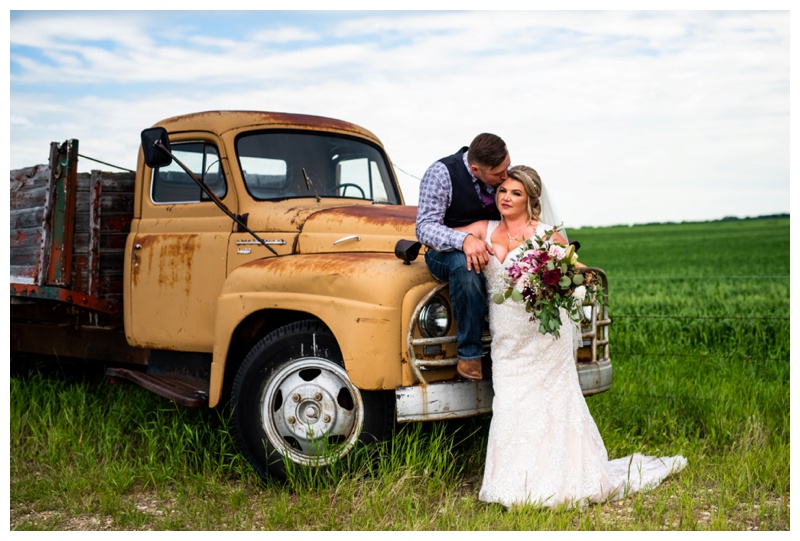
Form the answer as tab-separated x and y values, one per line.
470	369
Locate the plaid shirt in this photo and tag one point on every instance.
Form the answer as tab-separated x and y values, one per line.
435	195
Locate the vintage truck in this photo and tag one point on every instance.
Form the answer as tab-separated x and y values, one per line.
262	261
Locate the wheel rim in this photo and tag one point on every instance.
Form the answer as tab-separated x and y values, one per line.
311	412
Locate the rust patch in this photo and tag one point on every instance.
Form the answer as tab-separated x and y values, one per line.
298	215
20	238
222	121
64	295
318	264
175	256
398	216
304	120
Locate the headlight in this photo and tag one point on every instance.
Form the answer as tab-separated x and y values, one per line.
434	318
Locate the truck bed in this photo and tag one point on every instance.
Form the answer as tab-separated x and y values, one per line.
68	231
67	250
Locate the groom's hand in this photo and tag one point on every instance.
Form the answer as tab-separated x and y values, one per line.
477	253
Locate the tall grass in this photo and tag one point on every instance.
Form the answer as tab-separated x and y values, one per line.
700	348
701	351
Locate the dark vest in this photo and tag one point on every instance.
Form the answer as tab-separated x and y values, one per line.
466	205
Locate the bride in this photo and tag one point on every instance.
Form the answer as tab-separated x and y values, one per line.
544	447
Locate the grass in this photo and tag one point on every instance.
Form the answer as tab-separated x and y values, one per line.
700	346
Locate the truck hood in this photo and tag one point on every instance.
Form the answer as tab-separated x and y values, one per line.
359	228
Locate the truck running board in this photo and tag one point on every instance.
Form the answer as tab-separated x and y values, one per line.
180	390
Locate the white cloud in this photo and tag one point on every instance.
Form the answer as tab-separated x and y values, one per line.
651	115
284	35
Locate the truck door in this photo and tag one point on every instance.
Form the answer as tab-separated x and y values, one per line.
178	252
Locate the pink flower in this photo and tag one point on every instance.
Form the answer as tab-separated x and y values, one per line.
557	251
528	257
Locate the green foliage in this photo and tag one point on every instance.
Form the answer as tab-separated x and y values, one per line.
700	348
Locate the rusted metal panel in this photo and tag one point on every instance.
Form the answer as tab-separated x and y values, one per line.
389	220
175	279
396	216
357	295
64	167
357	229
68	232
173	261
190	393
63	295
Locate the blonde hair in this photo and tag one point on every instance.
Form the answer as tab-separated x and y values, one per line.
533	187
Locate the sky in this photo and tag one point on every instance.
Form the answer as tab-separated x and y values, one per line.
628	116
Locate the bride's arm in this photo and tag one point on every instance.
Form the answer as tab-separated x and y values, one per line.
476	229
559	238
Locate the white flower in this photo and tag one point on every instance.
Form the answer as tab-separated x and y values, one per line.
579	293
523	282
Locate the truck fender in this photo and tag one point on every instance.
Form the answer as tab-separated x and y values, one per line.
358	296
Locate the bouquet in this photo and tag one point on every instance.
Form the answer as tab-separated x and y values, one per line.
546	277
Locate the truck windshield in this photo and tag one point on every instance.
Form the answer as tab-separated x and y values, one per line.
283	165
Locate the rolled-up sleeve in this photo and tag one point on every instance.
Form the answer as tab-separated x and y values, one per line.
435	194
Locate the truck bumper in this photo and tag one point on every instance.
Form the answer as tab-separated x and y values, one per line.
446	400
595	377
455	399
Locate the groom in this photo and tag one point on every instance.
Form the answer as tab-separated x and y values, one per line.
455	191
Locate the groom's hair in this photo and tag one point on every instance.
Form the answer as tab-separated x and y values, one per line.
487	150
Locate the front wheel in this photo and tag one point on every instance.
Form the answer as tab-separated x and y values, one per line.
293	401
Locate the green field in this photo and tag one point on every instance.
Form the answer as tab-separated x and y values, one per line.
700	348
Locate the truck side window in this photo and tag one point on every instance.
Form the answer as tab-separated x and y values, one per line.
171	184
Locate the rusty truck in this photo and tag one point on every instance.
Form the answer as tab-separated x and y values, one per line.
256	260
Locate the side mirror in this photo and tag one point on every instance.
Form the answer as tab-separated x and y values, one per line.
407	250
155	146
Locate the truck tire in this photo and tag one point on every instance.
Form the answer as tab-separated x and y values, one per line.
294	403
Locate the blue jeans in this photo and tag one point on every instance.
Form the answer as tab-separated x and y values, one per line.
468	297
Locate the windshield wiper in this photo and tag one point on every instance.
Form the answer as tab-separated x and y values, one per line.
310	185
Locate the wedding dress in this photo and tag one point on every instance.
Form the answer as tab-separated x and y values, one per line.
544	447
